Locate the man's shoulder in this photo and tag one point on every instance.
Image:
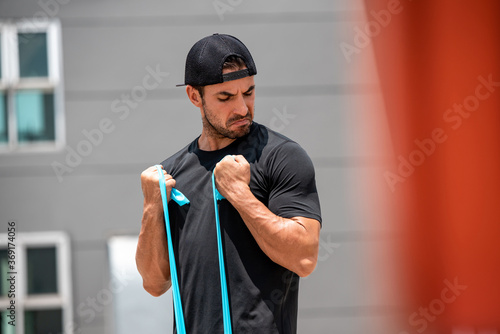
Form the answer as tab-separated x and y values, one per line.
276	141
271	149
180	155
271	137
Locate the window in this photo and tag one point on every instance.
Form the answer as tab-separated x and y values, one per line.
31	93
130	300
43	302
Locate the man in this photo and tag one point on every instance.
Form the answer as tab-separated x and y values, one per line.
270	219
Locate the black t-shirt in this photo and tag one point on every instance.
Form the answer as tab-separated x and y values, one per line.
263	295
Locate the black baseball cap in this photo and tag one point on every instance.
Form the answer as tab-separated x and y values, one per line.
205	59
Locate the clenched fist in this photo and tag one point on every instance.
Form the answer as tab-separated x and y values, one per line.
151	187
232	175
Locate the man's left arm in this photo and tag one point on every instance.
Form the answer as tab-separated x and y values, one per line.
290	242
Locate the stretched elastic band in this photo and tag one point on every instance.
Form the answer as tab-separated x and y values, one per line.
178	197
225	299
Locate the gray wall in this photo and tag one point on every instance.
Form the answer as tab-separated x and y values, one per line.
107	48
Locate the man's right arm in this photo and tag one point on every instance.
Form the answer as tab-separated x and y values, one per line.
152	253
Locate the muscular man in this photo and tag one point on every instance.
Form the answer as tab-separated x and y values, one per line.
270	219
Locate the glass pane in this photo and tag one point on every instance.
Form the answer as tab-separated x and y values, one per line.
42	270
33	55
7	328
4	267
0	56
35	116
4	134
130	300
43	322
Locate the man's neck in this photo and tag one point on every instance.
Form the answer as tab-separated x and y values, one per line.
211	143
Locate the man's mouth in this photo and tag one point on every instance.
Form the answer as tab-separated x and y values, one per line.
241	122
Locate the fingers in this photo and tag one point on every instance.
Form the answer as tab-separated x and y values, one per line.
169	180
167	176
170	183
151	174
240	159
224	162
150	183
231	161
236	158
228	158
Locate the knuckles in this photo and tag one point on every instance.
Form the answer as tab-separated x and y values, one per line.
150	176
170	183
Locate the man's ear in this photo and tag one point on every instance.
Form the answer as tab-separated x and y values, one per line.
194	96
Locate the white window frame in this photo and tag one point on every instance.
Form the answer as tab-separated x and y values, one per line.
4	64
11	81
4	56
63	298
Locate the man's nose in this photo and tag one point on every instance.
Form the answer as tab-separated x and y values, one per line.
240	106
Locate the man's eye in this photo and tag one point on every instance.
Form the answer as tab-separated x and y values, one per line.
248	94
224	100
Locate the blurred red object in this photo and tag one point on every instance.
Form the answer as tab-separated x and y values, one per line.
439	68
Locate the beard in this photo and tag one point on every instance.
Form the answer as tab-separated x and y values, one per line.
214	127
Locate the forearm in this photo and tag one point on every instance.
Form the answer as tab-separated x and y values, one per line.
291	243
152	253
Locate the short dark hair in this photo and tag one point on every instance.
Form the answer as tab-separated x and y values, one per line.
232	62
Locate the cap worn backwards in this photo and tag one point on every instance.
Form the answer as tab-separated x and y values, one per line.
207	56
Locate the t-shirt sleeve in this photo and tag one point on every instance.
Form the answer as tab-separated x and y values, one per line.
292	180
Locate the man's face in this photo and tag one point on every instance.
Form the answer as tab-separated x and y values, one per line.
228	108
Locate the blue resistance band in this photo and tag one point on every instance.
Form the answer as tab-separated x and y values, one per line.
225	299
178	197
